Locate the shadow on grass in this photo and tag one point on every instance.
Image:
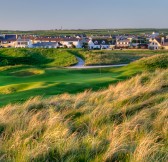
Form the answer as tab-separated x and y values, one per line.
72	88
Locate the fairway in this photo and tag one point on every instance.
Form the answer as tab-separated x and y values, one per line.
17	87
20	83
39	77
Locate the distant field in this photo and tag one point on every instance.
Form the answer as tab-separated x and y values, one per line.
88	32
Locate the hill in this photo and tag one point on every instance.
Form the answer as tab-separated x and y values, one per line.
108	57
36	57
126	122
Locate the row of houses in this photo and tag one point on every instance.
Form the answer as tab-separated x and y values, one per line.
39	42
153	42
131	43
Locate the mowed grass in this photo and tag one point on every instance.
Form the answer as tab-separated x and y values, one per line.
19	84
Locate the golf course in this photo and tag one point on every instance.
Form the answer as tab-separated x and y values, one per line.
26	73
51	112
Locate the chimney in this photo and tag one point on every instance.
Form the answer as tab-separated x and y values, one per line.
162	41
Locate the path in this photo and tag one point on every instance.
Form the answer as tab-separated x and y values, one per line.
81	65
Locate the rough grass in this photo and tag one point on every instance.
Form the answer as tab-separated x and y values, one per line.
126	122
109	57
158	61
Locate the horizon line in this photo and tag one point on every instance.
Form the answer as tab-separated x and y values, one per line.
126	28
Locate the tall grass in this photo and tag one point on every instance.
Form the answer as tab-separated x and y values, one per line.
99	57
126	122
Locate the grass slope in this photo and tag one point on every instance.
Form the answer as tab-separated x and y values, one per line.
18	84
126	122
37	57
108	57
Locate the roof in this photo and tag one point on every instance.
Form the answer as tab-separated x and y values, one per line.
8	37
100	41
50	39
160	41
70	39
1	38
42	44
124	40
23	40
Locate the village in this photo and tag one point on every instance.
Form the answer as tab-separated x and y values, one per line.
152	41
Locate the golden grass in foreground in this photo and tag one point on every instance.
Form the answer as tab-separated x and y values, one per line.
126	122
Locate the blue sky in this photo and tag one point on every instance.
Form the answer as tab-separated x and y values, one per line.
83	14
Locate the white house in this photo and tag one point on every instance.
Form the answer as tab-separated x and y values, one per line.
46	45
123	43
8	40
98	44
69	42
51	42
23	43
158	43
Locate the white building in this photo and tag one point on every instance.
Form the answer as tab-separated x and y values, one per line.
69	42
23	43
158	43
46	45
123	43
98	44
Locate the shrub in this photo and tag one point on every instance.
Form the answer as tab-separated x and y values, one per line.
155	62
4	62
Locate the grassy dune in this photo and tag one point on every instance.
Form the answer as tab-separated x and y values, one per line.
125	122
108	57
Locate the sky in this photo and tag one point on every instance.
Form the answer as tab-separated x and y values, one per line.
82	14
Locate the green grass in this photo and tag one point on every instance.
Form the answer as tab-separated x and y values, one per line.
123	123
16	88
108	57
20	83
37	57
